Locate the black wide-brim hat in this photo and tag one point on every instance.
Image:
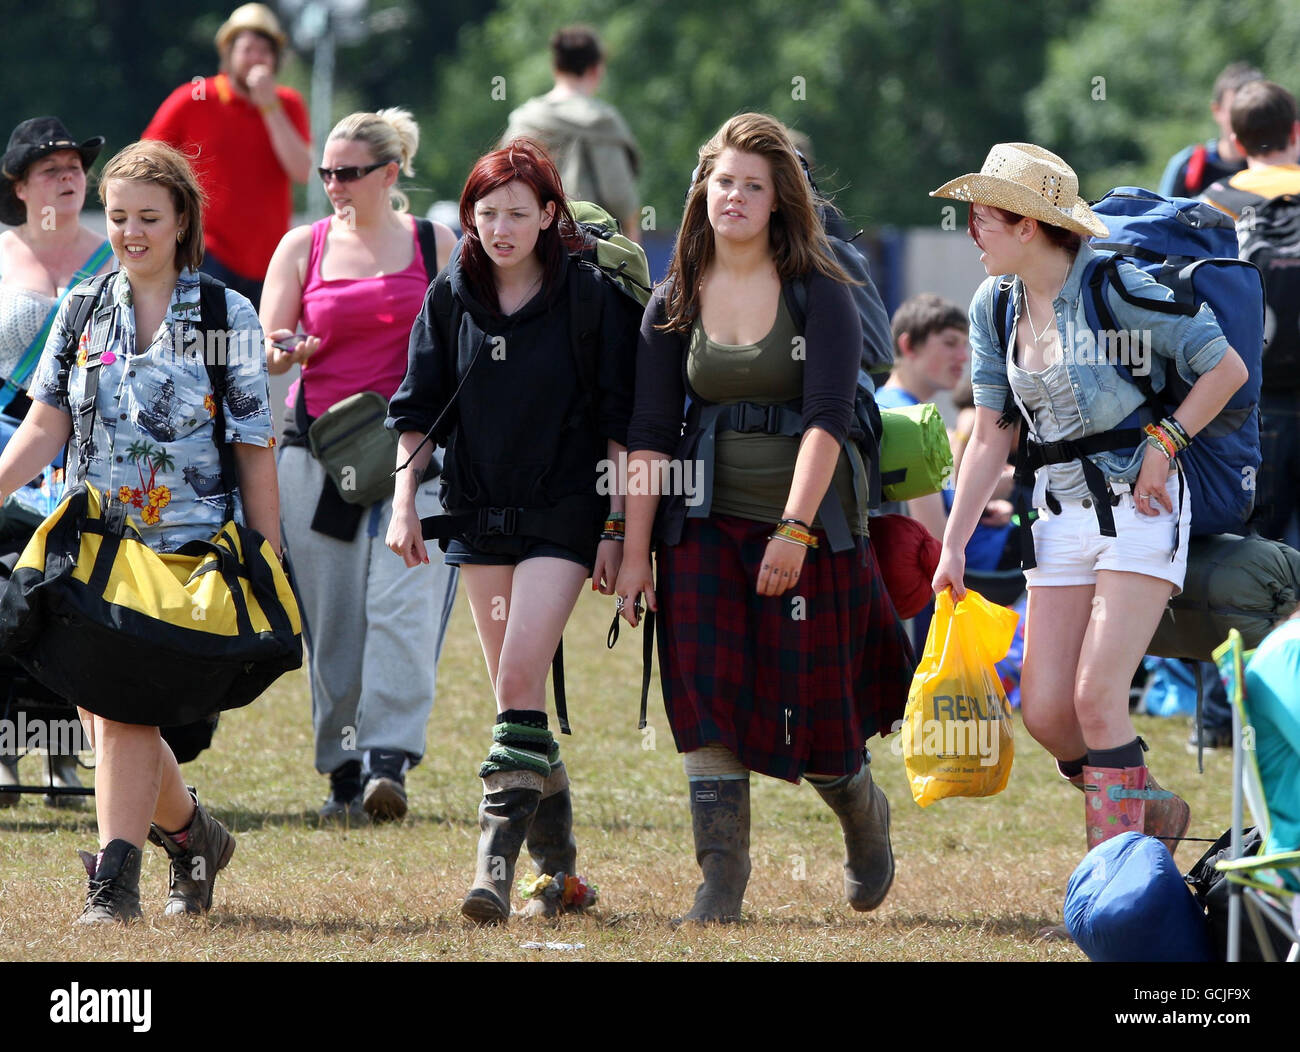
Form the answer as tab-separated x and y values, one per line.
30	141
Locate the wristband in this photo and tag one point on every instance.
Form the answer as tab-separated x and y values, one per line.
786	532
1161	440
1177	432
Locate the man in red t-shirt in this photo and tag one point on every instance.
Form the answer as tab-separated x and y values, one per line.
247	137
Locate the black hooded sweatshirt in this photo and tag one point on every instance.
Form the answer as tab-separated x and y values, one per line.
524	432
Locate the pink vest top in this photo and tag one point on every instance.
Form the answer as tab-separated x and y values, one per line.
364	325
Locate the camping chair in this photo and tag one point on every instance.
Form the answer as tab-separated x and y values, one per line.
1260	883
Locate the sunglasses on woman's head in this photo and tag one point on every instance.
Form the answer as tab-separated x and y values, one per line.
348	173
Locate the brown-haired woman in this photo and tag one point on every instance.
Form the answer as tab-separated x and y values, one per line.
525	441
153	443
777	655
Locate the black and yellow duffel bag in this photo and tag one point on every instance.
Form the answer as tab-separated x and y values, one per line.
145	637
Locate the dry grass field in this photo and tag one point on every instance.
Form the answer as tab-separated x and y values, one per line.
976	878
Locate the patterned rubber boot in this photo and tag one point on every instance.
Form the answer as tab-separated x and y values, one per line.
720	822
1114	801
863	811
113	891
1167	816
195	863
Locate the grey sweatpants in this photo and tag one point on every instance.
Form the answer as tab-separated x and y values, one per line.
374	628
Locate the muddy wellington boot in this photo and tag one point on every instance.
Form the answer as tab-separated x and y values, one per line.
113	891
720	821
863	811
550	841
195	863
510	800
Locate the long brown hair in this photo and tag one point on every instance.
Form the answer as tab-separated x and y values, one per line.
795	232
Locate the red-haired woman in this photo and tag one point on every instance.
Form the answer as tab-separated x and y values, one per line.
525	436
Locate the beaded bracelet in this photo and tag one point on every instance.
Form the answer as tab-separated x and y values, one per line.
787	531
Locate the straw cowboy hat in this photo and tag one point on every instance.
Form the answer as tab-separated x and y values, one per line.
30	141
255	17
1030	181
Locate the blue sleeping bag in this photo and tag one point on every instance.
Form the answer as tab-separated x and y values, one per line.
1126	901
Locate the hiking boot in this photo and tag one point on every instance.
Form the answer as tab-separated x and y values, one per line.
63	775
343	805
384	799
113	891
720	822
510	801
195	863
9	776
863	811
550	841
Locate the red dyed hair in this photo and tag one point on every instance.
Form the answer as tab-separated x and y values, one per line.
526	161
1057	235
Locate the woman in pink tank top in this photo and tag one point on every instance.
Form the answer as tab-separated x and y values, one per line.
354	283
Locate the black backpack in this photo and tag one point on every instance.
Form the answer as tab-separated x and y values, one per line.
1268	235
1211	890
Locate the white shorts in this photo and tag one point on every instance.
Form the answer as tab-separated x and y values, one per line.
1070	549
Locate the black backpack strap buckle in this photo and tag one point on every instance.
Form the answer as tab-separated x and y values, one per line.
502	522
748	418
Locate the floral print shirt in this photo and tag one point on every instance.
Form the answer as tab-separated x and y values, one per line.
152	447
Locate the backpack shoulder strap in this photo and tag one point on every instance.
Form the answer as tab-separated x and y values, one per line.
213	317
427	235
796	301
1194	173
84	299
586	302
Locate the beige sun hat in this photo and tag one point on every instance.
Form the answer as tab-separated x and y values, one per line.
1030	181
257	17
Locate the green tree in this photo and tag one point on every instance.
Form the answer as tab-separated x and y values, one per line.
896	96
1155	66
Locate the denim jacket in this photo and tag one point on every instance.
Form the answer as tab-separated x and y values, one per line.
1103	394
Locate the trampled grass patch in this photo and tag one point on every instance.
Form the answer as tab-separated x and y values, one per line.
976	879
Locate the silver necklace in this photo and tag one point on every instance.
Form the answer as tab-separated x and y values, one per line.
529	291
1029	309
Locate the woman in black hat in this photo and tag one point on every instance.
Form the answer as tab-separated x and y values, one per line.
42	191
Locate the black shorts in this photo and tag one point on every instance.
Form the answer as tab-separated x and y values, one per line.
508	551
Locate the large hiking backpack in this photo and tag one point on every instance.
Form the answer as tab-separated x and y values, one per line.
1190	247
877	337
1268	235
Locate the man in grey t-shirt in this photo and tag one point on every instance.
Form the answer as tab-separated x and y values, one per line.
588	139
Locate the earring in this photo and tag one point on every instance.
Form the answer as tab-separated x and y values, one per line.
180	236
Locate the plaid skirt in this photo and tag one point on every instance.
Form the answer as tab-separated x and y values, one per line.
789	684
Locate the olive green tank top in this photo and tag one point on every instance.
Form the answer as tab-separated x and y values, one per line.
753	472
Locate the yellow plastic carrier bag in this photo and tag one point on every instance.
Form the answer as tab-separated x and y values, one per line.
957	727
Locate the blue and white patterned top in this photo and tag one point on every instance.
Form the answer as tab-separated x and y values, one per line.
153	447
